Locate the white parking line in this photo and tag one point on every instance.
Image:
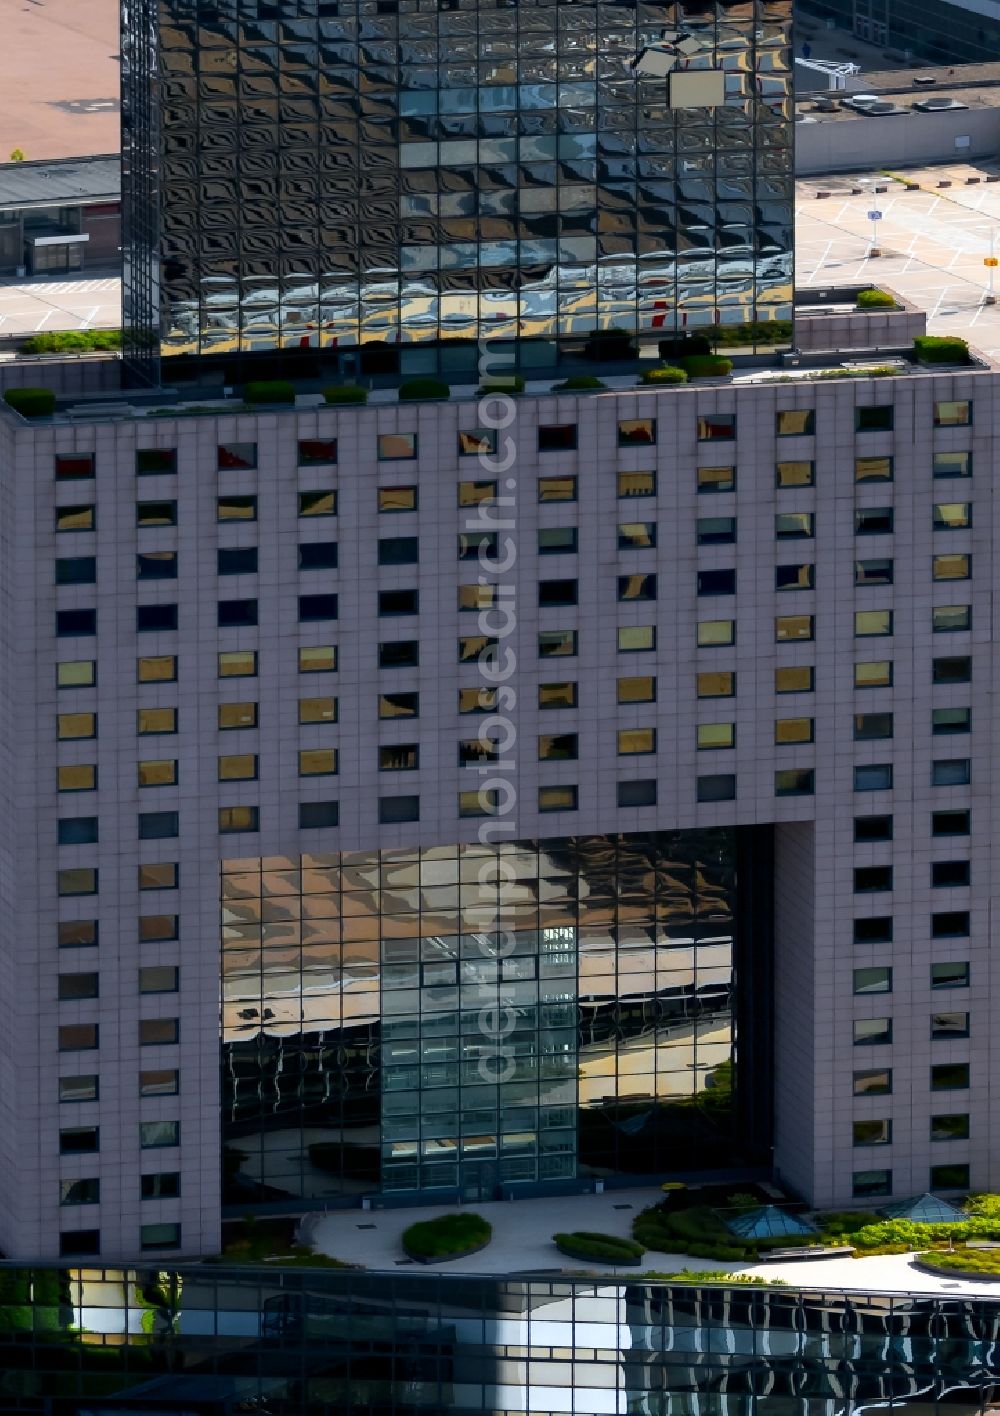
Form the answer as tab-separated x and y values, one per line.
48	315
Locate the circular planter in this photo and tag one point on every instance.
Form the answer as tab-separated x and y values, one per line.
966	1275
579	1256
446	1258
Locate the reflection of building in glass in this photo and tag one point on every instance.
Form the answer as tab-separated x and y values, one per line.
316	176
378	1032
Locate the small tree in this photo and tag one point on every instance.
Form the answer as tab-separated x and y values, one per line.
17	155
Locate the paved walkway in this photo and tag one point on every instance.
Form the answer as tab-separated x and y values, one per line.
522	1241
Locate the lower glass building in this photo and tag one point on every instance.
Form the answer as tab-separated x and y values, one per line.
470	1018
206	1341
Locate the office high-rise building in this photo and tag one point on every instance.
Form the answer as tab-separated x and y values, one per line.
303	177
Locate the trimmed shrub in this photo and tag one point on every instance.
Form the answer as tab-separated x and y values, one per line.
875	300
345	393
72	341
718	1278
979	1263
682	345
601	1248
609	345
415	389
725	1252
502	384
941	349
987	1206
668	374
269	391
31	402
447	1237
706	366
753	332
579	383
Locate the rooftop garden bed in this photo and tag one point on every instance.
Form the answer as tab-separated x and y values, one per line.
875	300
599	1248
962	1263
450	1236
345	393
414	390
941	349
262	1241
73	341
31	402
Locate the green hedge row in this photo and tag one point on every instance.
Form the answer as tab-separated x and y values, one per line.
875	300
31	402
70	341
941	349
602	1248
446	1236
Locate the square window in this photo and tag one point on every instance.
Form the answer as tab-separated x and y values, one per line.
871	878
795	474
793	627
794	525
399	654
949	1177
795	577
557	798
75	518
314	608
317	761
401	602
716	479
477	647
873	777
951	567
948	619
872	727
950	1076
73	726
946	721
950	874
77	831
76	570
554	593
950	1127
637	432
156	618
865	1184
795	422
238	818
873	929
156	565
717	427
873	572
641	793
155	461
152	721
390	705
163	876
78	1037
238	663
162	1185
876	1081
76	933
951	413
397	447
318	815
874	520
157	668
155	1134
950	924
873	828
715	531
77	1242
236	509
558	489
80	1192
319	503
641	689
159	1082
878	418
952	516
716	735
946	1025
79	1140
237	560
636	484
75	623
232	457
394	809
237	715
399	757
717	787
556	437
950	823
952	464
399	550
71	987
157	772
873	673
159	1236
712	633
956	669
872	1032
482	802
318	555
716	683
159	1032
238	767
873	469
81	881
155	929
634	535
237	614
76	673
951	772
637	587
557	643
476	493
635	741
159	978
871	1133
318	658
158	825
477	442
872	623
555	695
716	582
156	513
873	980
795	781
789	730
317	452
794	678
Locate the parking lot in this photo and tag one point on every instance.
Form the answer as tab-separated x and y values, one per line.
75	302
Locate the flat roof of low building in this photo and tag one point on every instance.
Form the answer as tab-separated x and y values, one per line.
70	180
59	97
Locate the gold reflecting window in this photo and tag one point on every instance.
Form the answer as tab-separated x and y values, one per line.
319	503
156	720
557	695
238	818
557	747
795	474
789	627
477	442
157	668
872	622
397	498
318	659
76	673
238	663
788	730
81	777
794	678
75	518
236	509
76	725
557	798
317	762
636	740
238	767
793	422
716	479
636	638
557	489
470	646
633	432
636	484
874	673
873	469
951	567
715	632
952	413
317	710
482	802
470	700
399	705
719	683
952	516
474	493
162	876
158	772
476	597
641	689
237	715
715	735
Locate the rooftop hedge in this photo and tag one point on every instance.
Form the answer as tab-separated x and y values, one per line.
600	1248
415	389
502	384
269	391
706	366
345	393
875	300
31	402
579	383
71	341
941	349
668	374
447	1237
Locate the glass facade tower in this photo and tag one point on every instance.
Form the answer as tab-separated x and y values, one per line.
313	175
377	1036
